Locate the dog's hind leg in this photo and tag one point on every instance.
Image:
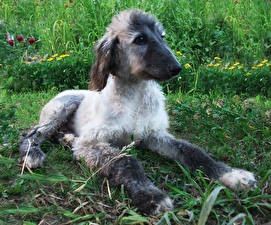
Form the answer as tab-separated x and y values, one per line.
53	115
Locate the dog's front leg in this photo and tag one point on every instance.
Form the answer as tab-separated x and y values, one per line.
122	169
192	157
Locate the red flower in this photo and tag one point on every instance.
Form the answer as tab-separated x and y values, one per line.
11	42
31	40
20	38
67	4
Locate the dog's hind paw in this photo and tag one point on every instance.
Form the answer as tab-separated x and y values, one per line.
31	154
68	140
34	159
238	178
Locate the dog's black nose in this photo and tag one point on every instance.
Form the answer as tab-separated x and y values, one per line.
175	70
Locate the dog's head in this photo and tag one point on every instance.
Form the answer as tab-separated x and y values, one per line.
133	48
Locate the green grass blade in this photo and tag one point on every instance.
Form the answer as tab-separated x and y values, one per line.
86	217
188	175
23	209
178	191
5	160
237	217
134	219
207	207
164	220
264	178
249	219
46	178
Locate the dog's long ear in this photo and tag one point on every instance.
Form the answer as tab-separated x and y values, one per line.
105	63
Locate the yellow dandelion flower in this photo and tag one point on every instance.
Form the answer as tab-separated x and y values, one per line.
1	65
224	68
64	55
217	64
232	67
34	58
42	60
217	58
228	137
58	59
260	65
264	61
27	63
179	53
248	74
254	67
187	65
94	42
210	64
236	63
50	59
268	64
54	55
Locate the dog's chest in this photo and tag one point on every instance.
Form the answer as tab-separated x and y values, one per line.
143	114
107	116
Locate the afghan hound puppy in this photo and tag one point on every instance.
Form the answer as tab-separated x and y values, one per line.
125	100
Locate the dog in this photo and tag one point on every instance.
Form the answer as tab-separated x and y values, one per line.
125	100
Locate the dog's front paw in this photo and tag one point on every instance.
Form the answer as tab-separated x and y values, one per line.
152	201
237	178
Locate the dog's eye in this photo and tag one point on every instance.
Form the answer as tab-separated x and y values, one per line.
140	40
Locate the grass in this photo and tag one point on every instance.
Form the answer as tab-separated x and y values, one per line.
235	31
232	128
221	102
201	30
